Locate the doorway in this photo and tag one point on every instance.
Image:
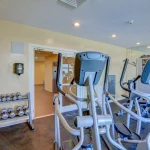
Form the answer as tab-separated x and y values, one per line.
66	53
45	66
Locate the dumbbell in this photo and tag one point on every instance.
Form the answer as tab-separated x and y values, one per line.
26	110
3	98
7	97
13	96
4	114
18	95
11	113
19	111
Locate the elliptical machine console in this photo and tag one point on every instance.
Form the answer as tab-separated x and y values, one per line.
87	63
145	79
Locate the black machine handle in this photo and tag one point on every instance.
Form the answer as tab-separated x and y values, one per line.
58	74
72	82
138	77
106	74
123	74
125	83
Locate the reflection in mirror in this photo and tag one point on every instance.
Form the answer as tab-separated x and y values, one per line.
67	76
139	55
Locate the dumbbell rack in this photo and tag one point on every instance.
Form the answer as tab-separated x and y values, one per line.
24	98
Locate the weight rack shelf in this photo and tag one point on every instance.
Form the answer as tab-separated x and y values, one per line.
11	101
16	117
10	122
24	98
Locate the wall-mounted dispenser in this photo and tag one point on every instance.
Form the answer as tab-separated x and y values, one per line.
18	68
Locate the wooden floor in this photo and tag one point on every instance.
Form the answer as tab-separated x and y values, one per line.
43	101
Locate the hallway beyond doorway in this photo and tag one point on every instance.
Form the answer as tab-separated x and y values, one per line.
43	102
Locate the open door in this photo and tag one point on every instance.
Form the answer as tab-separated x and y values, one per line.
67	74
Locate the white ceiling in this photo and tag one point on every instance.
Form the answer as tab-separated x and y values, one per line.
99	19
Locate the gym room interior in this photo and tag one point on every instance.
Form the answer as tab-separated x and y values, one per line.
74	75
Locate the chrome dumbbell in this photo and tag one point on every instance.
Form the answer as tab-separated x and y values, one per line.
26	110
18	95
19	111
13	97
3	98
4	114
8	97
11	113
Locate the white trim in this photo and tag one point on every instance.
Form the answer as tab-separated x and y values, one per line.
53	49
32	48
43	116
31	78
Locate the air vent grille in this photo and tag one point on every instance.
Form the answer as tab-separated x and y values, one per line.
74	3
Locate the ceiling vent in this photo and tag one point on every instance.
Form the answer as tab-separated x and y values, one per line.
74	3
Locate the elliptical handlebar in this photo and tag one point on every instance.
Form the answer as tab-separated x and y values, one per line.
58	112
106	74
146	120
138	77
125	83
123	74
58	74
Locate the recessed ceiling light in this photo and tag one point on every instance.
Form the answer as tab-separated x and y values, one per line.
114	35
148	46
76	24
138	43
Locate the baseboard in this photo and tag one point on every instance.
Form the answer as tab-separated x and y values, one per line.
38	84
43	116
15	121
118	99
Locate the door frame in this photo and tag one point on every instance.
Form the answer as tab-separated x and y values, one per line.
32	48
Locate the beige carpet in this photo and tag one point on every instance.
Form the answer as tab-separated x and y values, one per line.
43	101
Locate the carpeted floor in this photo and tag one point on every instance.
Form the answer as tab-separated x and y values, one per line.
20	137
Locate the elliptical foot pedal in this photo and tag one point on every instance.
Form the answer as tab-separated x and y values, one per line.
123	130
135	136
68	145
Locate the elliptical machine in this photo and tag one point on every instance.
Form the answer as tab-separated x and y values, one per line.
125	135
127	86
138	101
88	69
87	72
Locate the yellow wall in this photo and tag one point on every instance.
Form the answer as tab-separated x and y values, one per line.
39	72
16	32
49	72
